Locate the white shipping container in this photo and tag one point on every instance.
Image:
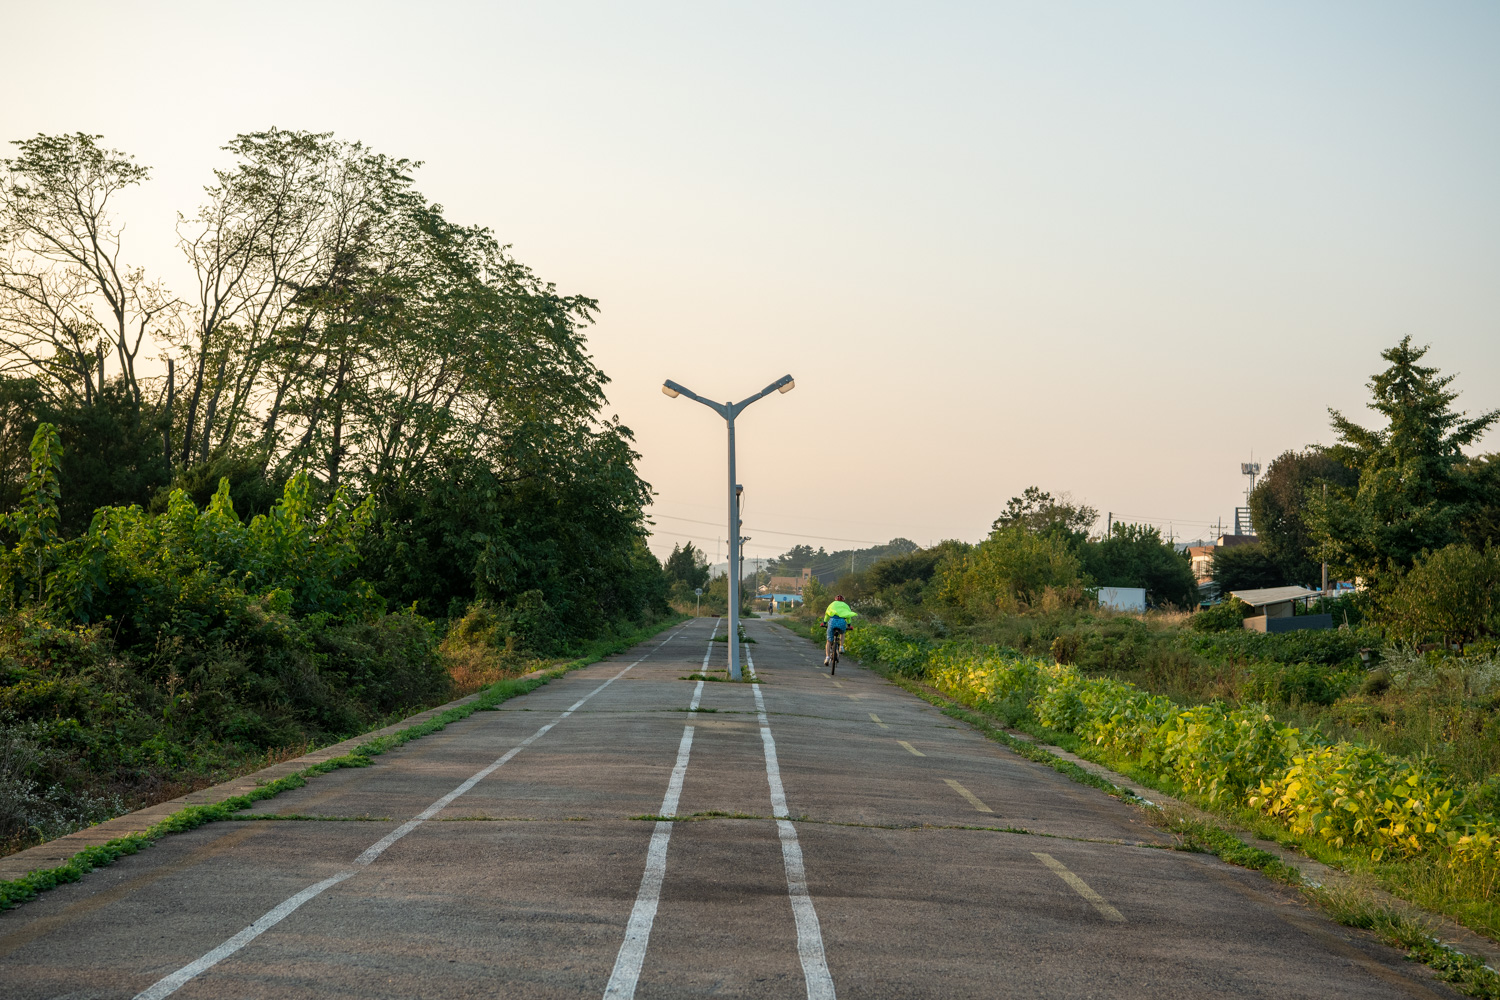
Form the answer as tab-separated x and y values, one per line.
1123	598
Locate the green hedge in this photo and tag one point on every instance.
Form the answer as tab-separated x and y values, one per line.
1351	796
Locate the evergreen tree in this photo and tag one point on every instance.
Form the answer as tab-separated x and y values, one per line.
1416	487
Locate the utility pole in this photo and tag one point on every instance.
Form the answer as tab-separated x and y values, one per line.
729	411
1325	564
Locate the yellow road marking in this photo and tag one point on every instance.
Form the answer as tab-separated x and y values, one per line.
1081	887
911	748
837	684
973	799
876	719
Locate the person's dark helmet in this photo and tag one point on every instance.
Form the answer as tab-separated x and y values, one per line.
840	597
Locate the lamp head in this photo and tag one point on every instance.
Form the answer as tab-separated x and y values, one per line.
790	385
667	390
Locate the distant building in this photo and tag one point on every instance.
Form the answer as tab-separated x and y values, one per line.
1202	557
790	584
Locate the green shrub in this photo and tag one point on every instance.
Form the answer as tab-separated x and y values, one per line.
1011	570
1222	617
1298	683
1451	595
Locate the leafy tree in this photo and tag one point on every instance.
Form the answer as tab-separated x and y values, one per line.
1135	555
1416	487
68	298
1246	567
687	565
1040	512
1481	527
1452	594
903	579
342	330
1011	571
1278	507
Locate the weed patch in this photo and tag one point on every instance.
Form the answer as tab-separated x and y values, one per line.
17	891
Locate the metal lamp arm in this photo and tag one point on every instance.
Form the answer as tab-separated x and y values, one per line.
722	409
773	387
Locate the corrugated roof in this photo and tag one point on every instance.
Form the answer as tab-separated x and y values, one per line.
1273	595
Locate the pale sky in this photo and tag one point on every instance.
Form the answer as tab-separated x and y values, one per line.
1100	248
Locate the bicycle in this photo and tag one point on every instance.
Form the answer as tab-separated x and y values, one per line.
832	649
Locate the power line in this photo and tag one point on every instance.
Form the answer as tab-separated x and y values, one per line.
801	517
768	531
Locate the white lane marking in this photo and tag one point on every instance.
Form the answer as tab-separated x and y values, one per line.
1081	887
973	799
710	650
632	953
171	983
809	934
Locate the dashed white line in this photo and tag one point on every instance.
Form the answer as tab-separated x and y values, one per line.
638	931
632	954
1081	887
973	799
809	933
171	983
710	650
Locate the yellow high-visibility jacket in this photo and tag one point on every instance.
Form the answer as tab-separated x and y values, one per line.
838	609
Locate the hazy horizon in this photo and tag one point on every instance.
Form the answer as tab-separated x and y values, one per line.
1110	253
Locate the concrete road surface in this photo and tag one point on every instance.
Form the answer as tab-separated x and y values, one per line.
834	837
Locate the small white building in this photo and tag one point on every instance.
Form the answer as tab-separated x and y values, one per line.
1123	598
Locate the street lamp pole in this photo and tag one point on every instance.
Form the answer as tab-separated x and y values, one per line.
729	411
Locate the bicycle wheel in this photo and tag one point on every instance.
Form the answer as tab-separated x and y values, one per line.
833	658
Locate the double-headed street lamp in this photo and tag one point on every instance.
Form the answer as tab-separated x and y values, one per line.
729	411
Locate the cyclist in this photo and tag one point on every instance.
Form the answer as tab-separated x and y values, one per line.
837	617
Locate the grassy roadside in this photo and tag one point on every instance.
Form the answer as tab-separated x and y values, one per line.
18	891
1352	905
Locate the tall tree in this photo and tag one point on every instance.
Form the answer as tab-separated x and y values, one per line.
1415	488
688	565
1278	509
1135	555
68	297
1040	512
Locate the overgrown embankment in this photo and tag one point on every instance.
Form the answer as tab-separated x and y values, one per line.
159	653
1426	835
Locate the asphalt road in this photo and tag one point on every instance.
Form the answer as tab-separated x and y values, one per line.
835	837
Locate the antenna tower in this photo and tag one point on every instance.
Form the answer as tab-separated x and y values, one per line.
1242	525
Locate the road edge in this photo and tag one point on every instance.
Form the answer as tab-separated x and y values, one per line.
1470	967
104	843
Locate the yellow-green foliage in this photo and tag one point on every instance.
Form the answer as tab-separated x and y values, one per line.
1351	796
1012	570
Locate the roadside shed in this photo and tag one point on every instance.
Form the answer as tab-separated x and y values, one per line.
1275	602
1277	609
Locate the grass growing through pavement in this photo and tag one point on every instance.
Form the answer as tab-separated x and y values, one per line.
17	891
